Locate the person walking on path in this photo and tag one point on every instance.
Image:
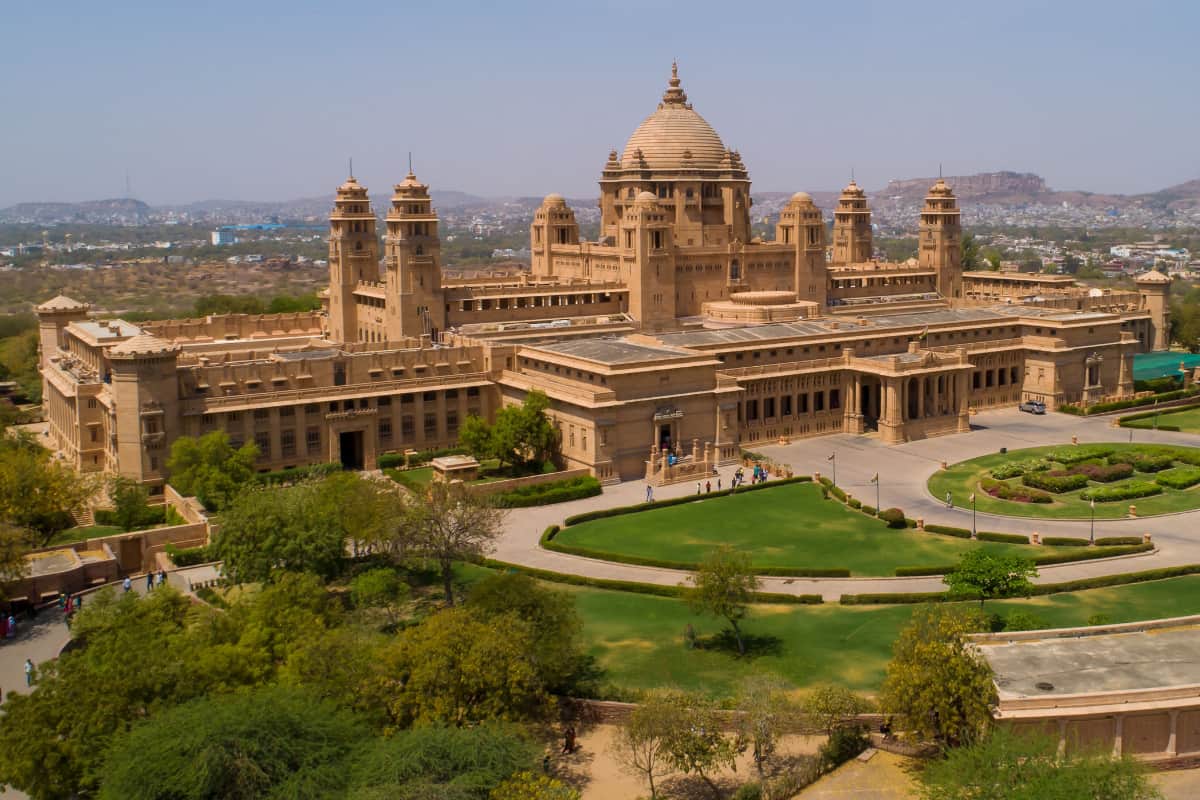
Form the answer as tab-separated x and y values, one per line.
649	493
697	487
28	672
128	584
12	627
162	577
949	500
707	487
149	581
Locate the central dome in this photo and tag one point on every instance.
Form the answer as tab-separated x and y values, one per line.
674	136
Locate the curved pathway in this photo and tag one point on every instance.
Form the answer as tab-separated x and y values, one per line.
904	470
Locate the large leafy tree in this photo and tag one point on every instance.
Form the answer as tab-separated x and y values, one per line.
766	713
271	742
695	741
937	685
451	524
39	494
640	745
528	786
524	432
830	707
554	625
458	667
211	469
1007	766
724	586
981	575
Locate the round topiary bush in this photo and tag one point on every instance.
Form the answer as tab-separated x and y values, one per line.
894	518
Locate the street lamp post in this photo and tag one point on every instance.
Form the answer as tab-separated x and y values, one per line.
833	460
1092	534
877	491
974	529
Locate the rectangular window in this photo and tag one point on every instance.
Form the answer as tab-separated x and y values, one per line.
769	407
430	426
313	408
384	402
312	439
786	405
287	443
452	423
989	378
974	380
407	427
406	399
429	397
287	411
835	398
261	414
818	401
751	410
385	430
452	394
803	401
262	440
472	391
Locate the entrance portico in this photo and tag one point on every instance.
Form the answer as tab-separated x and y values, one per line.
907	396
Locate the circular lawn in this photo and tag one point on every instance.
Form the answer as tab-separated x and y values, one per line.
1062	481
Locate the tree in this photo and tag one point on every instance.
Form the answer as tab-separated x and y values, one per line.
553	622
476	435
211	469
131	507
379	588
937	685
268	530
971	259
14	544
724	585
39	494
451	525
436	761
980	574
830	707
767	712
527	786
272	742
524	433
694	741
458	667
1009	766
640	745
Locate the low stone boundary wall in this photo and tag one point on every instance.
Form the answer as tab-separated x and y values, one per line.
136	551
499	487
612	712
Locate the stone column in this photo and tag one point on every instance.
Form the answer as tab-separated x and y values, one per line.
963	399
1062	738
921	396
1172	747
1117	733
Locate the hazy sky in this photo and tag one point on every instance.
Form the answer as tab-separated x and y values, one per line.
266	100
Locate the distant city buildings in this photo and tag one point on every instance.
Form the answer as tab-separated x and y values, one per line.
223	237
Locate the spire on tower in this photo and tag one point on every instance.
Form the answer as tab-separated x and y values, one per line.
351	173
674	95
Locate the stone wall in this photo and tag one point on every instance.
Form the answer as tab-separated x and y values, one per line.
498	487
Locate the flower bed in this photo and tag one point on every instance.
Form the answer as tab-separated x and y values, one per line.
1018	493
1102	473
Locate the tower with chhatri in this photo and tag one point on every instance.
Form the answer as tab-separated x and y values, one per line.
852	241
415	302
353	257
941	240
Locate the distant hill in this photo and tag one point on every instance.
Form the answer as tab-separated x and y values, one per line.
1025	188
85	212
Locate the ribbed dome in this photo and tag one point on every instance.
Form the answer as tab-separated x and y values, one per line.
674	136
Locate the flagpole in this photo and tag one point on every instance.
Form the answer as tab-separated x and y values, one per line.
974	531
1092	535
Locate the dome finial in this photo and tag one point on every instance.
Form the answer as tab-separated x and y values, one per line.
674	95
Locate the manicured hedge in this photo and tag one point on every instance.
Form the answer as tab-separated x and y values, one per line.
949	530
617	511
1110	541
547	493
402	477
639	588
855	503
1101	473
1016	493
1015	469
1057	558
188	556
1057	481
1147	462
894	517
295	474
1010	538
1073	454
870	511
1148	414
1179	478
1124	491
1038	590
601	555
1064	541
1117	405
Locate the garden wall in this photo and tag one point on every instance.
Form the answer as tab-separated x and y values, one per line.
497	487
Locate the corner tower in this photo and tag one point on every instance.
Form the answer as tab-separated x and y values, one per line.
416	304
852	227
553	224
353	257
941	240
802	227
1155	289
647	237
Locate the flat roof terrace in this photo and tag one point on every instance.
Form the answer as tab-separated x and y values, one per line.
613	351
1119	658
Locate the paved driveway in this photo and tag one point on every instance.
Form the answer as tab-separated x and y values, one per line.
904	470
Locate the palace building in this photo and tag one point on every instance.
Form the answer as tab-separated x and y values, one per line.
677	331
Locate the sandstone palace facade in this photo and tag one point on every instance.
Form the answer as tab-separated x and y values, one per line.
677	330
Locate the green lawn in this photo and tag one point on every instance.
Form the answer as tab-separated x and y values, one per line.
489	471
781	527
638	639
962	479
86	532
1187	420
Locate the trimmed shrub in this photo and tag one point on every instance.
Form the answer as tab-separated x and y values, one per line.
855	503
1103	473
639	588
1057	481
1151	462
1064	541
1122	491
547	493
869	510
189	556
1057	558
912	572
420	457
1179	478
1164	397
297	474
837	492
1073	454
548	535
1015	469
890	599
1017	493
894	518
643	561
909	522
948	530
1010	538
1069	408
1115	541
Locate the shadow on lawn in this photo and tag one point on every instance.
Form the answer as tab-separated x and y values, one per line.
755	645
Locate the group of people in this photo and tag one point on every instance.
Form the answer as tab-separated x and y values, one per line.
758	475
152	579
69	604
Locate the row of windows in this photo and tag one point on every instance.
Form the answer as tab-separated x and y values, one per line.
749	410
333	406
